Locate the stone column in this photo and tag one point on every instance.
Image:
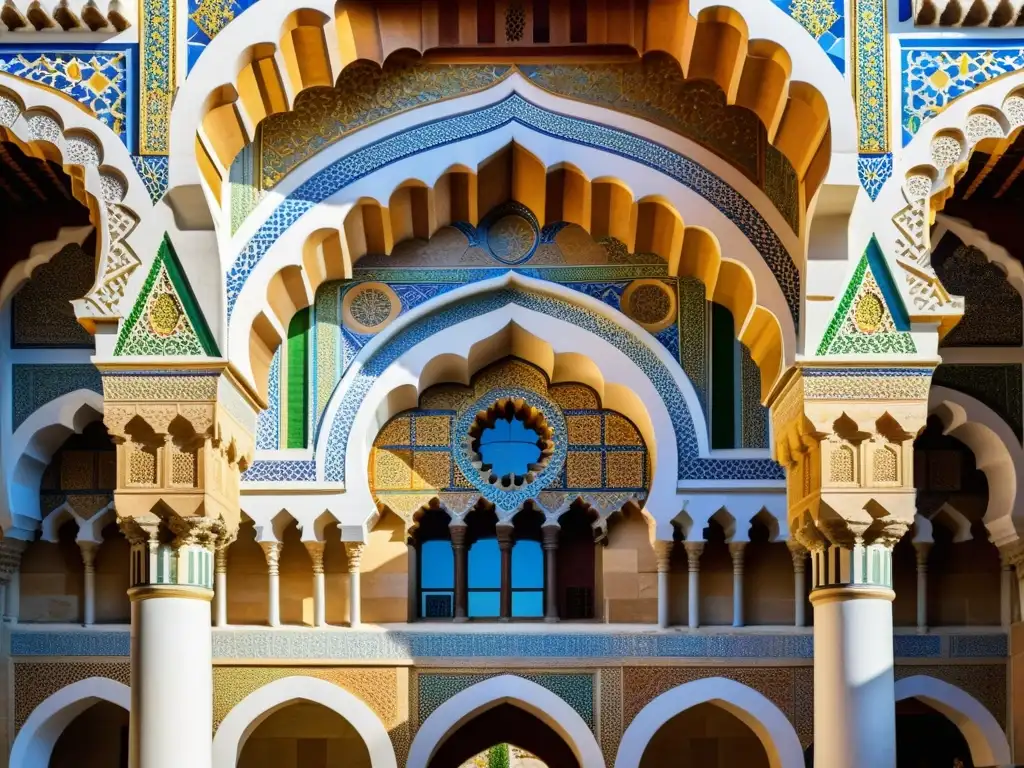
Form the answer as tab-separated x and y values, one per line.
220	587
694	549
316	554
354	552
1005	589
551	532
663	555
799	554
88	549
921	549
736	550
845	438
505	542
11	550
272	551
413	572
458	534
171	642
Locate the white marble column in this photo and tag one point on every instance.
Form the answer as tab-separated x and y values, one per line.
663	554
12	608
354	551
694	549
272	549
921	549
799	554
171	649
88	549
220	587
736	550
316	554
854	690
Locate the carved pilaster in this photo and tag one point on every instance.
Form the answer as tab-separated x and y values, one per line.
10	558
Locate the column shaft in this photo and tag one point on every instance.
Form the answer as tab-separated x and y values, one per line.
412	565
505	543
220	587
354	550
458	534
663	555
272	550
921	549
693	553
551	533
736	550
799	554
1006	595
13	607
88	549
316	554
854	707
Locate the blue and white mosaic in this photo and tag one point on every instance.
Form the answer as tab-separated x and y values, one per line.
691	466
36	384
331	644
874	171
99	77
386	151
825	21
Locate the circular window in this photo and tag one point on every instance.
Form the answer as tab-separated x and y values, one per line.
510	443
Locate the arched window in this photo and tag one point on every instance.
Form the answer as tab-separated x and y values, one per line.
528	566
296	387
738	420
483	567
436	567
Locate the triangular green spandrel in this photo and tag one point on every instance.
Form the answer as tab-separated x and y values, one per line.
869	319
166	320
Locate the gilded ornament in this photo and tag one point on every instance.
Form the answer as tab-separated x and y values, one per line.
868	313
164	315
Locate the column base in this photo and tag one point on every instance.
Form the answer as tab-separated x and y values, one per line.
551	619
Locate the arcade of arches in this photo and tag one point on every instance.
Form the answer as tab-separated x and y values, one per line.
475	383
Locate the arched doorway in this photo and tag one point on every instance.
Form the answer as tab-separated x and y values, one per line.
925	738
97	738
504	724
505	709
303	734
308	722
707	736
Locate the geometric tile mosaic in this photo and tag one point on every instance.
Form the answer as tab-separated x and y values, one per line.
36	384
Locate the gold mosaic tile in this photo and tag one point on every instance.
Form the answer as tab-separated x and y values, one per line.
431	469
391	469
395	432
583	469
433	430
574	397
35	682
620	431
624	469
584	430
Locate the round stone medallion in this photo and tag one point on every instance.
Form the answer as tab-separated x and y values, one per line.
511	239
868	313
164	315
369	307
650	303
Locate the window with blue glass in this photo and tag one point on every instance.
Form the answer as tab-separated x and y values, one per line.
509	447
527	565
483	566
436	567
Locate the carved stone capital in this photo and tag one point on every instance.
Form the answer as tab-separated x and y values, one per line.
798	552
457	531
663	554
550	533
10	557
694	549
737	549
88	549
316	554
354	553
921	551
272	551
505	535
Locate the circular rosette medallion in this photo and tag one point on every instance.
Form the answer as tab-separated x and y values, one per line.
513	445
512	239
368	307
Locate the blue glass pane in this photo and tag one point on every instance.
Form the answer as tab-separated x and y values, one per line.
510	447
484	604
527	565
528	604
437	565
485	564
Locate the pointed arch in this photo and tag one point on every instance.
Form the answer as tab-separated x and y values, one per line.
505	689
34	743
246	716
981	730
773	728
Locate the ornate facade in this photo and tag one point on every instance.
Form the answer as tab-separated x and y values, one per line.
637	383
